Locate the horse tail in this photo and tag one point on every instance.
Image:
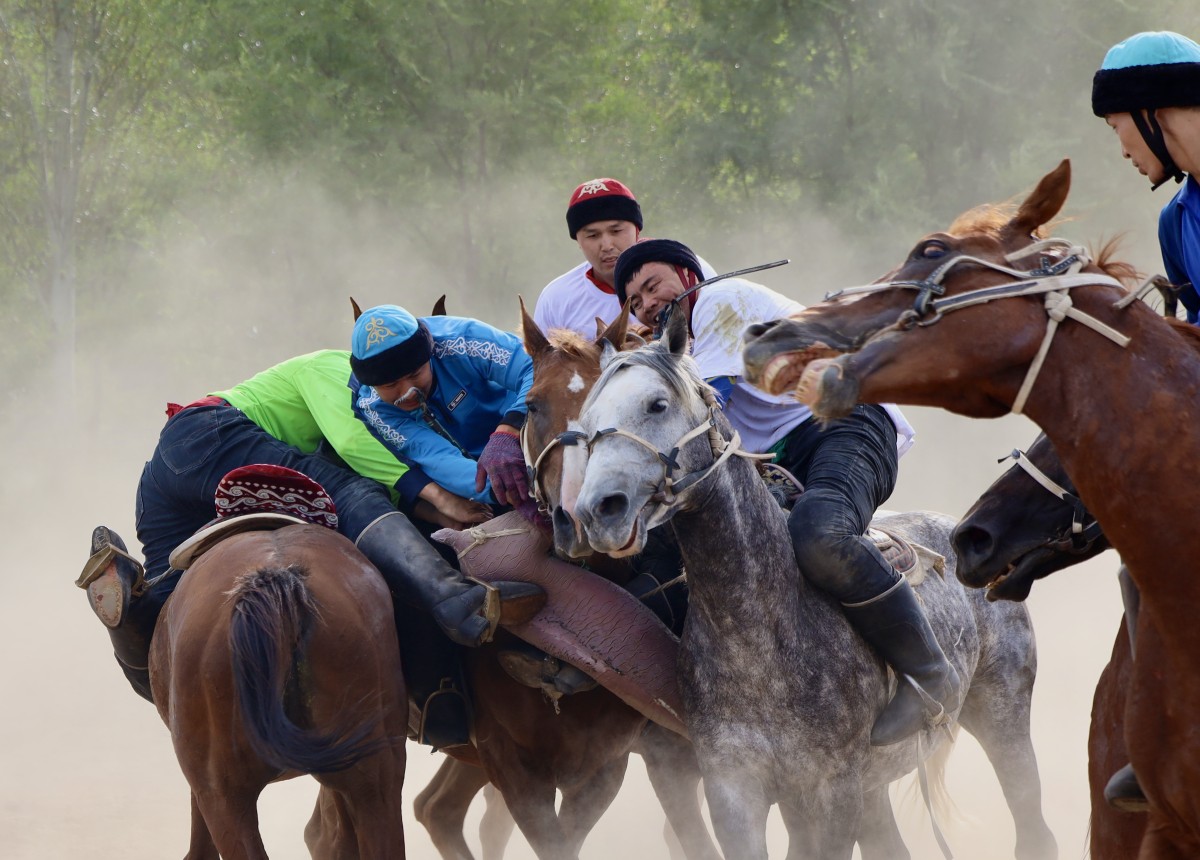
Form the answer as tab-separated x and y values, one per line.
273	617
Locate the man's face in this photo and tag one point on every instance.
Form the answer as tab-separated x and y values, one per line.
400	391
1135	148
602	242
652	288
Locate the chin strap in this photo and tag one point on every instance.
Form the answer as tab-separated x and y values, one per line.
1152	133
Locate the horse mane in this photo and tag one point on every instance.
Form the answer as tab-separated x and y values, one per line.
572	343
679	371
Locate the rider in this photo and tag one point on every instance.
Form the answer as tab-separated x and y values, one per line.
848	468
1148	91
280	417
605	218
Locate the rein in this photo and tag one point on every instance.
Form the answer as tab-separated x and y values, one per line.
1053	279
1085	529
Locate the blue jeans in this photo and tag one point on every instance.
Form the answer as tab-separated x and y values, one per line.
848	468
198	447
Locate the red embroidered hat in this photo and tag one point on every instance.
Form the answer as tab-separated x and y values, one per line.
602	200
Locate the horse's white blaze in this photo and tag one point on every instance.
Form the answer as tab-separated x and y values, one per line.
576	384
574	464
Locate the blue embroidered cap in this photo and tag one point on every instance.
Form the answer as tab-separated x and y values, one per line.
388	342
1148	71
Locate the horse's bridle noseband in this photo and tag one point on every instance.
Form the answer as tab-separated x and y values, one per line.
533	465
1052	279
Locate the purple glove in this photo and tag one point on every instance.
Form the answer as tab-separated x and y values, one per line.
504	464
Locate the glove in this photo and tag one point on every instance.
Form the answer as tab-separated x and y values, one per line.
504	464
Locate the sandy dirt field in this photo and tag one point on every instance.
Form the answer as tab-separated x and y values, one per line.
87	769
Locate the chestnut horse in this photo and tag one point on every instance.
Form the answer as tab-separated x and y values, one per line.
1107	379
277	656
529	749
1027	525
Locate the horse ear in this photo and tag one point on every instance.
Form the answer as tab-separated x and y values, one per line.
607	352
536	342
357	310
439	307
617	330
675	335
1043	203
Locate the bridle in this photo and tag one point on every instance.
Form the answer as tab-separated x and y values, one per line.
670	488
1052	278
533	465
1085	529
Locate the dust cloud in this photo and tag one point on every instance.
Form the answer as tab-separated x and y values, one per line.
87	768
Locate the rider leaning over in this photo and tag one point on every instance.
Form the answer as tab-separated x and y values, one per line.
280	417
848	468
1148	91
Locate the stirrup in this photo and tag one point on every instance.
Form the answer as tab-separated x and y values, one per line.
936	716
446	687
112	577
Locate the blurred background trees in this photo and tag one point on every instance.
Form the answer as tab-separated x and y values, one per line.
234	169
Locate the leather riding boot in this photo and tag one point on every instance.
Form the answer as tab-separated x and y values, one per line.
467	611
928	688
534	668
114	580
1124	792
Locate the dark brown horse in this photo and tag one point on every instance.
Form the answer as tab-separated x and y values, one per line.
1027	525
528	748
277	656
984	319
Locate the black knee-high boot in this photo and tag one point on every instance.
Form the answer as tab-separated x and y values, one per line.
467	612
896	626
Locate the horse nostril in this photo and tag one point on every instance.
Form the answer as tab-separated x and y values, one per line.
562	520
757	330
613	506
973	542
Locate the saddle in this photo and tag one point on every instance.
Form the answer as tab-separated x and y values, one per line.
259	497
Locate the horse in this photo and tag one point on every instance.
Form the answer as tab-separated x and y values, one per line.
528	749
779	692
1028	524
277	656
959	346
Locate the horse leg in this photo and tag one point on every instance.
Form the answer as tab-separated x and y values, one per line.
232	818
674	775
369	799
441	807
823	821
584	803
329	833
996	713
529	792
878	835
497	824
200	846
738	807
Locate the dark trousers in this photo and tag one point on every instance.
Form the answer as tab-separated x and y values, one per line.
848	468
198	447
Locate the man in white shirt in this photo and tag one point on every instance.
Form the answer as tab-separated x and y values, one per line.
848	468
605	218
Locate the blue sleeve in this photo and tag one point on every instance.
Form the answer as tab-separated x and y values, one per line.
723	385
1170	241
515	375
414	442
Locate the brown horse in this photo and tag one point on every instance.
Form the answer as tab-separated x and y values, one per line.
277	656
529	749
1027	525
1110	386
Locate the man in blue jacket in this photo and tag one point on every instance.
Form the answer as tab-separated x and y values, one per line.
447	396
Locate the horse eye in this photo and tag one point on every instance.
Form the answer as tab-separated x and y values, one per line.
659	405
531	406
933	249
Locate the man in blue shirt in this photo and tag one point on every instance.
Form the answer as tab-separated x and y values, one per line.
447	396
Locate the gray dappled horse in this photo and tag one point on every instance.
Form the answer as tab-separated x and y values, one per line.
779	692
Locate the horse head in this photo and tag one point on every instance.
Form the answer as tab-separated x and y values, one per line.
652	431
882	337
565	366
1028	524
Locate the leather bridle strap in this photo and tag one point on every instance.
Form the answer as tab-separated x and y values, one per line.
1083	534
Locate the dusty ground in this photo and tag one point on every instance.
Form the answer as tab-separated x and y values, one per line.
87	769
